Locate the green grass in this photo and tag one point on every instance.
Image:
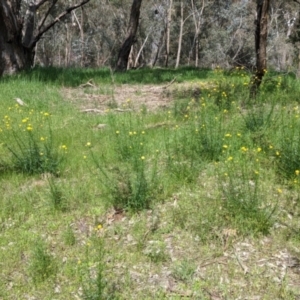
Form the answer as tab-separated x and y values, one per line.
188	200
77	76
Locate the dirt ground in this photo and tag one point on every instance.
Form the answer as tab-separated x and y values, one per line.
97	98
89	97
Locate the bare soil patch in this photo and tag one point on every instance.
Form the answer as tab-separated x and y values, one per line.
89	96
121	96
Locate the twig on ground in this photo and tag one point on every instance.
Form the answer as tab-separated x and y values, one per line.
245	268
89	83
92	110
164	86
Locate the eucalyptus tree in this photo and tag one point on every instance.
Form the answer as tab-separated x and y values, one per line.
261	34
22	24
130	36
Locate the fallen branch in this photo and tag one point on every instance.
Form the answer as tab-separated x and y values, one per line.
165	86
92	110
89	83
122	110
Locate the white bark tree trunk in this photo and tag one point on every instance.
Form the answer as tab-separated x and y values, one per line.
180	35
168	30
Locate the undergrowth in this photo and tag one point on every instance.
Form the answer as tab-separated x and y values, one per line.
214	163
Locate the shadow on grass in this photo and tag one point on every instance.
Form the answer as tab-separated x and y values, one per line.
77	76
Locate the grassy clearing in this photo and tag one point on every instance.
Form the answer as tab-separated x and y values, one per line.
197	199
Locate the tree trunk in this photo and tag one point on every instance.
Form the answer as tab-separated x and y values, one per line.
131	36
13	55
168	30
261	34
180	35
141	49
197	16
19	33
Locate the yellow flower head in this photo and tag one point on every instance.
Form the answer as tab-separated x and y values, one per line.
99	227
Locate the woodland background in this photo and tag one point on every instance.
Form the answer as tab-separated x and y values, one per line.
204	33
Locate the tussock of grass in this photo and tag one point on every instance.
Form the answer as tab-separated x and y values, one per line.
187	200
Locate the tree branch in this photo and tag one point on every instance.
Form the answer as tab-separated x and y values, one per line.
41	23
41	31
39	4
